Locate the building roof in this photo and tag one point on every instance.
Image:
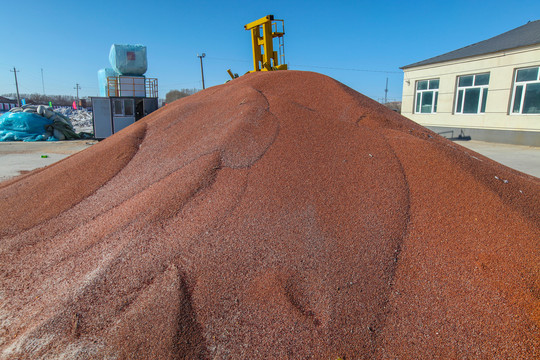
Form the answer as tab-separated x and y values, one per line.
6	99
528	34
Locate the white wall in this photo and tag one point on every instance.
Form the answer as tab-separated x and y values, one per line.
501	67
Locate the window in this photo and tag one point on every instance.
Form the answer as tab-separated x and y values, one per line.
427	94
471	94
118	109
123	107
128	107
526	99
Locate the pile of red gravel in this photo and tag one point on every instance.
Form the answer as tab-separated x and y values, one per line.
282	215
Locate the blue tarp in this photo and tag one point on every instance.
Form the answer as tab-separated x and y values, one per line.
24	126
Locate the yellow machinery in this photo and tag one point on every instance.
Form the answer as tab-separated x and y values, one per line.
263	33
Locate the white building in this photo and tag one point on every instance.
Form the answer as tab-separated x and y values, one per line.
489	90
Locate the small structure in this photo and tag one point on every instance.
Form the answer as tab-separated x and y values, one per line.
126	94
489	90
7	104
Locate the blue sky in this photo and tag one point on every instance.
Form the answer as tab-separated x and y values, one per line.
359	43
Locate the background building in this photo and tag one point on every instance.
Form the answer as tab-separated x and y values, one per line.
6	104
489	90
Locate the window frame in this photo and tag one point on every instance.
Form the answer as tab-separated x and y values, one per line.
523	91
417	106
124	104
460	99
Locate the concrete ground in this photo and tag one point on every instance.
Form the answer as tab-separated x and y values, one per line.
20	157
522	158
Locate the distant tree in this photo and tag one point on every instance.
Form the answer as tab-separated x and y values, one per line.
40	99
178	94
394	105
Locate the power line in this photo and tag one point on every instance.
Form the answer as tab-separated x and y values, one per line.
202	72
386	91
15	71
347	69
177	84
316	66
42	81
78	88
226	59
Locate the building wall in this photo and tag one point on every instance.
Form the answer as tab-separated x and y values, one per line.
501	67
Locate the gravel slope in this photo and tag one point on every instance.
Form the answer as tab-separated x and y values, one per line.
281	215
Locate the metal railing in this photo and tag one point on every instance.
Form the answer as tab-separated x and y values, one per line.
132	86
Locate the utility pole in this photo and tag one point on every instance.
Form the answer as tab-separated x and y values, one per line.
15	71
78	88
386	92
202	72
42	81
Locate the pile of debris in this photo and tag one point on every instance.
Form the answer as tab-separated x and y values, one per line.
80	118
36	123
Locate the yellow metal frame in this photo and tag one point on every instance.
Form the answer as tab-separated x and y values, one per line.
263	33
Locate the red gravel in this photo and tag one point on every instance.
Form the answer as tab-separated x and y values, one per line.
282	215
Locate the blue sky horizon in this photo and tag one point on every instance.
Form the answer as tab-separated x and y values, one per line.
359	43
